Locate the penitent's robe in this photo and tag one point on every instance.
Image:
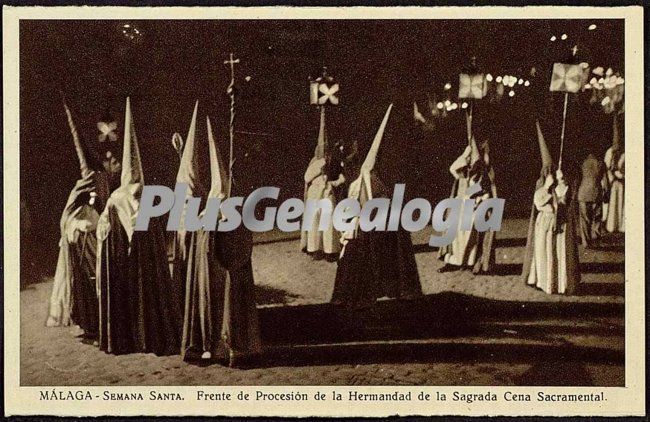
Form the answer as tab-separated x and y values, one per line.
615	215
319	187
376	264
138	303
177	251
74	298
551	258
471	248
220	312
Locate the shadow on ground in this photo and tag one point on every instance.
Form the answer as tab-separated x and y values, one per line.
447	327
440	315
265	295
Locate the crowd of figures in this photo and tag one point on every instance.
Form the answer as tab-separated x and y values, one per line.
134	291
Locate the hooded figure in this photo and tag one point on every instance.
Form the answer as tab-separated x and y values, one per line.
471	249
374	264
221	320
551	256
139	306
189	174
590	199
74	297
321	184
615	164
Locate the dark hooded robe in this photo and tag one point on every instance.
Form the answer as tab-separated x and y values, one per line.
138	303
74	296
551	260
221	320
189	173
374	264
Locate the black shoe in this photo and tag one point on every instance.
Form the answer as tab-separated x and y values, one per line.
243	361
331	257
448	268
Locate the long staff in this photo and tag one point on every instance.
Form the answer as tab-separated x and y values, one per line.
231	92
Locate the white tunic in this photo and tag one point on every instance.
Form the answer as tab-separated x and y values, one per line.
548	269
615	215
317	187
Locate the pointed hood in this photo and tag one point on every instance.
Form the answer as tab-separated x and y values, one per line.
547	160
319	152
371	158
81	155
218	171
131	163
363	181
125	199
188	171
416	113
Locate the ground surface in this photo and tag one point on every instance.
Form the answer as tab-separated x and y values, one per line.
468	330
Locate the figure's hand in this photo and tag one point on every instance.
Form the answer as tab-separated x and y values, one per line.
559	175
83	185
314	169
618	174
561	190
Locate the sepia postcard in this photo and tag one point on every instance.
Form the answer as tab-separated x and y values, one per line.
324	211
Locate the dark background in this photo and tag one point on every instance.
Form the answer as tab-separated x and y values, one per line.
170	64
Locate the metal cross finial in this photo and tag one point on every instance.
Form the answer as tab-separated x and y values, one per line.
575	50
232	62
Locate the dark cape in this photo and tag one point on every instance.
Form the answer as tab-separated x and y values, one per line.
139	305
178	262
220	312
485	253
376	264
83	295
74	296
83	254
572	254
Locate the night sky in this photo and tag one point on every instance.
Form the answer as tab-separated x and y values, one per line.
170	64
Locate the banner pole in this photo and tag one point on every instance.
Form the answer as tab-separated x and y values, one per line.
566	100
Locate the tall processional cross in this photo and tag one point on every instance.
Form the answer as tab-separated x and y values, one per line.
231	161
232	62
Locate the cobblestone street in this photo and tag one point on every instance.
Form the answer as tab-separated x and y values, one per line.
467	330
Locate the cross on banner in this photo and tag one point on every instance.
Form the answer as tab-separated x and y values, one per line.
107	131
323	90
566	78
471	86
328	94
